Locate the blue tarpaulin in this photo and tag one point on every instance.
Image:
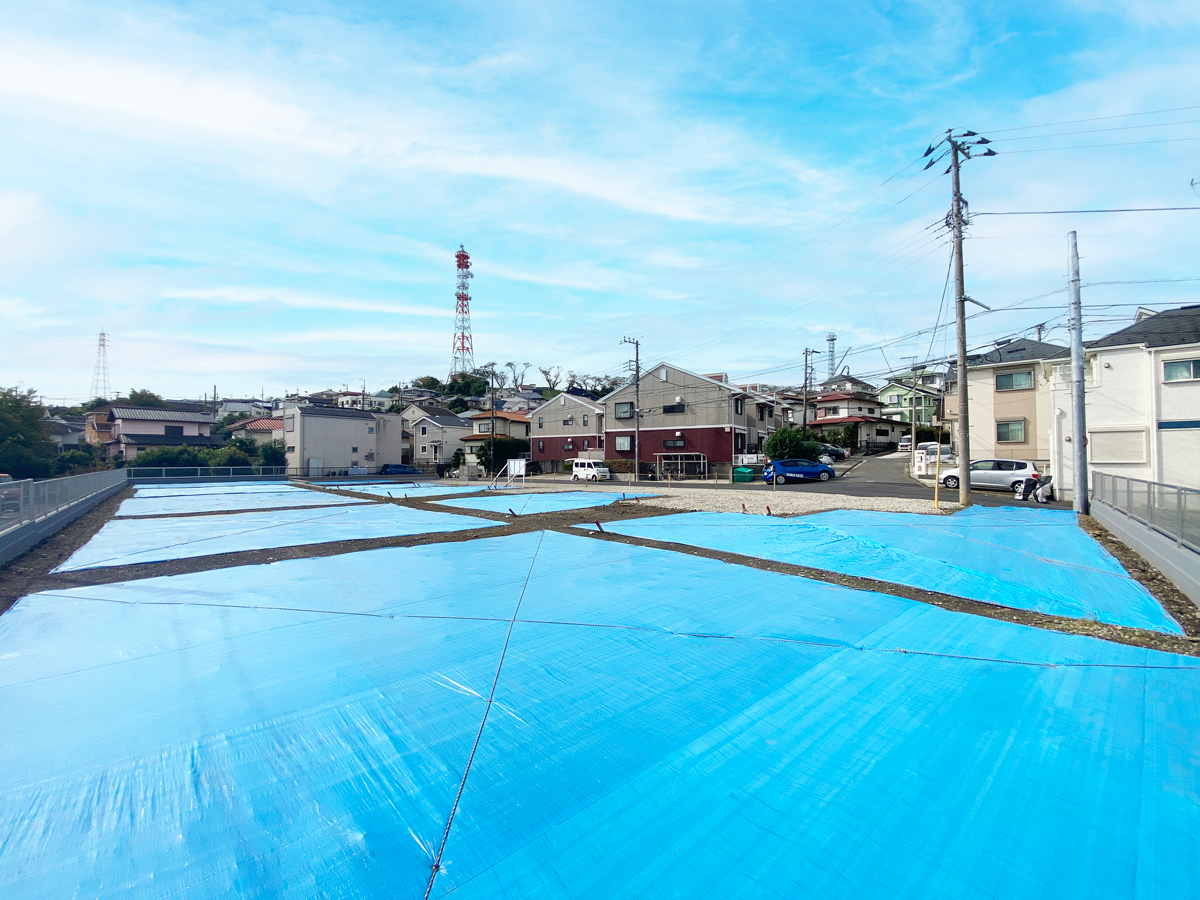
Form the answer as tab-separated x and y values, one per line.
1028	559
422	488
529	504
163	504
123	542
661	725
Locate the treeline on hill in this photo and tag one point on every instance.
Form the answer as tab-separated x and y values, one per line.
28	451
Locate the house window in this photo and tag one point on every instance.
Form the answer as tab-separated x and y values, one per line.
485	427
569	420
739	442
624	443
881	432
624	411
1014	381
674	443
353	449
870	410
674	408
541	421
585	443
1181	370
893	399
739	407
176	430
1010	432
830	411
424	449
424	430
370	429
541	446
585	420
291	449
289	423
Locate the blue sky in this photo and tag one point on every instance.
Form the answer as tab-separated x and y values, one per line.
269	197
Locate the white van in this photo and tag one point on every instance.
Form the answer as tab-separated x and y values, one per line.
589	470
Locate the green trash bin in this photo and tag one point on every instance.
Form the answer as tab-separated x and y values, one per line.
743	474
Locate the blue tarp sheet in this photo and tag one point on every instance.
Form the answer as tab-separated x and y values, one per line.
212	487
422	488
529	504
1038	560
162	504
123	542
662	725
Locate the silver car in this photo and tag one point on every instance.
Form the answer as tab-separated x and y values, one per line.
994	474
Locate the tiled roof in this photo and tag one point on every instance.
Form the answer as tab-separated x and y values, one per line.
154	414
1169	328
262	423
1017	352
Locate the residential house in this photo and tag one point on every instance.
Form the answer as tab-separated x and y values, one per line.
566	426
508	424
913	393
690	424
261	429
852	406
1008	388
322	439
380	401
67	431
136	429
1142	392
252	407
435	438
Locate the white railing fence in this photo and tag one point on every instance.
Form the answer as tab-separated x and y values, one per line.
141	472
27	501
1168	509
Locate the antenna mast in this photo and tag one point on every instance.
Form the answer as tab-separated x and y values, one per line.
832	339
464	348
100	388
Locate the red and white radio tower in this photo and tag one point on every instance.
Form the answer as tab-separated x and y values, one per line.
464	349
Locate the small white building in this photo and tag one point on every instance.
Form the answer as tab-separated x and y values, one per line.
319	440
1142	391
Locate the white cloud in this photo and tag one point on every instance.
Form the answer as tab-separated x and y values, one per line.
300	300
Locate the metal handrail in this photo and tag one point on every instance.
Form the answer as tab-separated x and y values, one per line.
1169	509
22	502
204	471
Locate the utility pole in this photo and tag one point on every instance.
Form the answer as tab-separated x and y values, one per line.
637	407
804	415
960	144
492	439
1078	399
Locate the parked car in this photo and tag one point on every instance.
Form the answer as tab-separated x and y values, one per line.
834	452
905	443
781	471
994	474
398	469
931	449
589	470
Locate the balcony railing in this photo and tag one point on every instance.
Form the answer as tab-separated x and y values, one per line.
1168	509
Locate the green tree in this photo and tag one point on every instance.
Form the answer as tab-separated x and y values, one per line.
221	429
228	456
457	458
93	404
145	398
245	445
506	448
84	457
26	449
468	384
170	457
428	382
457	405
272	453
789	443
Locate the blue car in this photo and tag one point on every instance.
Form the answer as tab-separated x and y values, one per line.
781	471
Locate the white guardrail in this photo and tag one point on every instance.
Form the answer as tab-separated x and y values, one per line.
22	502
140	472
1168	509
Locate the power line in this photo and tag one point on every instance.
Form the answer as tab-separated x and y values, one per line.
1034	137
1064	212
1090	146
1151	112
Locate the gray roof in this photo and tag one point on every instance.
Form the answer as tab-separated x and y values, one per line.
1016	352
157	414
1169	328
170	440
333	412
447	421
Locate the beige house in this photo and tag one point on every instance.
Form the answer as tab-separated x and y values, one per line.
435	438
320	440
136	429
508	424
567	427
1009	389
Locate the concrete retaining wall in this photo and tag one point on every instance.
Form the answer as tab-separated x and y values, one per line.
1179	564
17	541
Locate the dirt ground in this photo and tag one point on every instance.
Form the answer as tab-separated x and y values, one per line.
31	571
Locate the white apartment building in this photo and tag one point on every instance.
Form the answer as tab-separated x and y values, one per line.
319	440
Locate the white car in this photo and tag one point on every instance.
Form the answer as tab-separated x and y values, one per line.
994	474
589	470
905	444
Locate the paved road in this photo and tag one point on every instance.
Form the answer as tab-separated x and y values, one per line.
878	476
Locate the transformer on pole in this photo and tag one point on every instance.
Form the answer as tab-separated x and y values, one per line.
464	349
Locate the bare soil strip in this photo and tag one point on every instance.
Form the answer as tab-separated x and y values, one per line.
31	572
